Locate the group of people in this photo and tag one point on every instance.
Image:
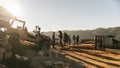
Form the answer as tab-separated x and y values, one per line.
99	43
64	39
75	39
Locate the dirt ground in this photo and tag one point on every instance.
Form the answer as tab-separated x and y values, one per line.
84	56
77	56
93	58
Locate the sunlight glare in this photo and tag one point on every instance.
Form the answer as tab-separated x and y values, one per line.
13	8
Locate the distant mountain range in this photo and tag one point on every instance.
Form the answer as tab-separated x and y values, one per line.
89	34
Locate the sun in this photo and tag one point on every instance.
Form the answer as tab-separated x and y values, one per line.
13	8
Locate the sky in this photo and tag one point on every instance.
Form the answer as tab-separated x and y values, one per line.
54	15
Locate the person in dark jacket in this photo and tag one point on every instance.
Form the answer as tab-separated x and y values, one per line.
61	38
53	40
73	39
77	39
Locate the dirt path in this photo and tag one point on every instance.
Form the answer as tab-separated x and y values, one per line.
93	58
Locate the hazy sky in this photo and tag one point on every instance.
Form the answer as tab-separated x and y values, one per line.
54	15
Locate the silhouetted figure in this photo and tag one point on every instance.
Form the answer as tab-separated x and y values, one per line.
77	39
61	38
66	38
53	40
73	39
69	40
96	42
100	43
103	43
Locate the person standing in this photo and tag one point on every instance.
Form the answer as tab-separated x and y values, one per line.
96	42
103	43
69	40
61	38
100	42
53	40
73	39
66	38
77	39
